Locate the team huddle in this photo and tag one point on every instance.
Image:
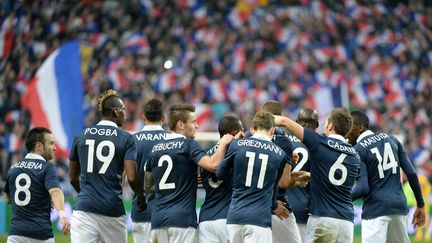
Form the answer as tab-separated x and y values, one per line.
279	182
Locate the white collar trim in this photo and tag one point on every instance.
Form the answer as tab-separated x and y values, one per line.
337	136
262	137
364	134
107	123
34	156
174	135
152	128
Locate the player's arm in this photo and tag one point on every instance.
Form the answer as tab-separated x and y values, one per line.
419	217
211	163
8	198
74	173
301	178
285	180
362	185
57	198
291	125
148	182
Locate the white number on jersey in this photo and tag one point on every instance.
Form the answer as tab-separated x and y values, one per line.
338	166
24	188
251	162
386	162
105	159
304	157
214	184
162	184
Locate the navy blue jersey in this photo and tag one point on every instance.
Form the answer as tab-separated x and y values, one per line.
173	163
257	165
145	139
383	156
27	184
299	196
280	138
218	194
101	151
334	168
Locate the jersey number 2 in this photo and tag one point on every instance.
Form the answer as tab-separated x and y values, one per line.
105	159
163	185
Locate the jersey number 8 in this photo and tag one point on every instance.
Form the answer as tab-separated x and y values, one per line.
24	188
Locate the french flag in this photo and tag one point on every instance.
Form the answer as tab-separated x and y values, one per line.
420	156
55	96
341	53
239	60
323	54
137	43
6	37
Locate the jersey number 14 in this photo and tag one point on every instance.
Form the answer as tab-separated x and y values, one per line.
387	161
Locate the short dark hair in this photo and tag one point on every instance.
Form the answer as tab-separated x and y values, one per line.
35	135
153	110
179	112
308	117
263	120
274	107
360	119
342	121
229	124
107	101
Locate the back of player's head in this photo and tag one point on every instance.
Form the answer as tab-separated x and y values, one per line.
274	107
153	110
108	101
263	120
308	118
34	136
179	112
360	119
342	121
229	124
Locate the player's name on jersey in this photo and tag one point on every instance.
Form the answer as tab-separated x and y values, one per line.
293	138
167	145
150	136
340	147
258	144
373	139
101	131
28	165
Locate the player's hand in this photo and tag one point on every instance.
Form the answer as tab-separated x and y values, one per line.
226	140
199	179
142	203
419	217
66	226
278	120
301	177
281	211
294	158
240	135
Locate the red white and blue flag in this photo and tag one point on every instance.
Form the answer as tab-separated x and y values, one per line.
55	96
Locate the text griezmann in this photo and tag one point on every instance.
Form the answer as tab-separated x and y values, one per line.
258	144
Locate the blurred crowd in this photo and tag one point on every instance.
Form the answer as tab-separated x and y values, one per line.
230	57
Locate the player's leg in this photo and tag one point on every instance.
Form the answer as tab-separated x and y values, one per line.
84	227
321	229
253	233
375	230
345	231
398	229
141	232
23	239
302	231
285	230
112	229
160	235
182	235
235	232
213	231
